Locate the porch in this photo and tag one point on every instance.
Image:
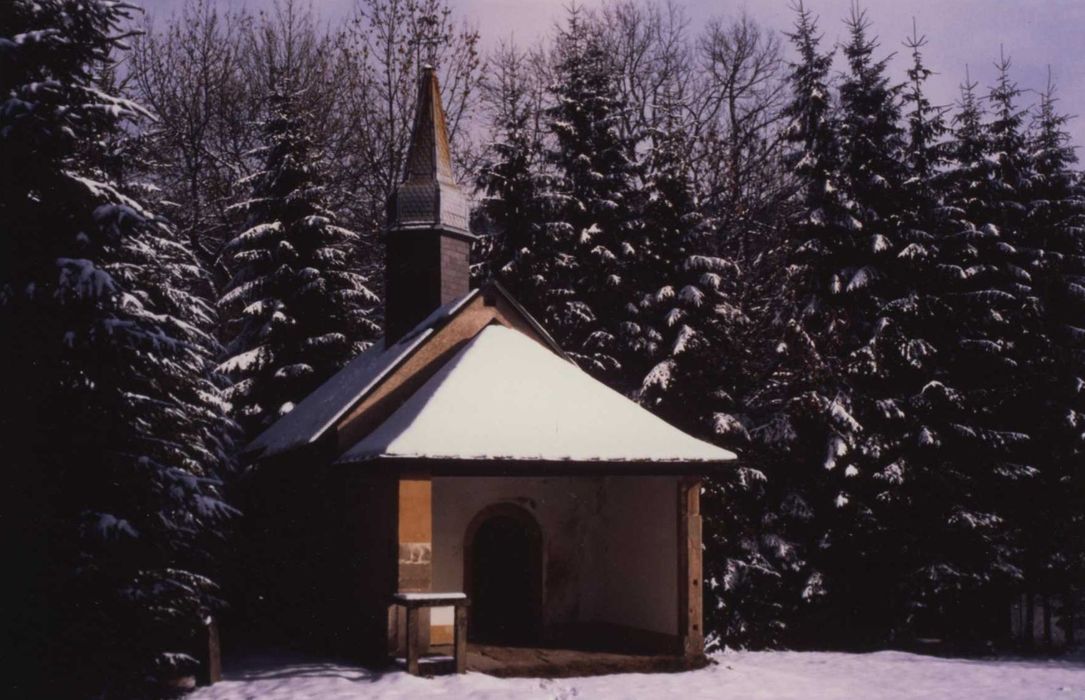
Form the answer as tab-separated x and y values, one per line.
566	575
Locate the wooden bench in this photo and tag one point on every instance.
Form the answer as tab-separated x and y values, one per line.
413	602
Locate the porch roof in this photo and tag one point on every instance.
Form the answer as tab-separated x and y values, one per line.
504	397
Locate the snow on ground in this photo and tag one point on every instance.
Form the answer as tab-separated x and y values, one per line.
886	675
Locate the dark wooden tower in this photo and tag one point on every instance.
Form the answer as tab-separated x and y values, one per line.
428	241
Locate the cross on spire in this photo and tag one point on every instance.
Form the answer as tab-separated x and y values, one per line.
430	41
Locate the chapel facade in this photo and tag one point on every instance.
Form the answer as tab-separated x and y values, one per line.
464	459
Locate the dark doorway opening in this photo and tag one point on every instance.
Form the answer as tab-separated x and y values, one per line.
503	569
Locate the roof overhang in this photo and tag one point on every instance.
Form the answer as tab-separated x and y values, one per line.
533	468
506	400
316	415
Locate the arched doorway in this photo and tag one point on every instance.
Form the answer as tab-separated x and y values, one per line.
503	576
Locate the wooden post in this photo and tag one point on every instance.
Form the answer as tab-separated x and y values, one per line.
414	517
460	638
412	640
690	595
1068	613
209	654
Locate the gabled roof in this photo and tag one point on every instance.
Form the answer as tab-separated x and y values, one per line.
320	410
504	396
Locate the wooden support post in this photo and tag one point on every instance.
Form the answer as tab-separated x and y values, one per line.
415	562
214	654
412	640
460	639
209	654
418	606
690	595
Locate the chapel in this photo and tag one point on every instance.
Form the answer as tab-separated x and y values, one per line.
463	485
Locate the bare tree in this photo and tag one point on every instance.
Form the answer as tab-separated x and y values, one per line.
653	57
206	74
742	66
381	52
723	87
186	72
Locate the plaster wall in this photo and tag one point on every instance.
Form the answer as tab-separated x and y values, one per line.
565	508
635	558
609	544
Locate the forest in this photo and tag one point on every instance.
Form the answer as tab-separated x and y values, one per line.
779	245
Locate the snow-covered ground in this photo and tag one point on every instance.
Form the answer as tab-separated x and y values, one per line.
887	675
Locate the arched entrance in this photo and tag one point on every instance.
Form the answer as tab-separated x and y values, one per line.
503	576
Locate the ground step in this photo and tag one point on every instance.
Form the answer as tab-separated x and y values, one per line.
432	664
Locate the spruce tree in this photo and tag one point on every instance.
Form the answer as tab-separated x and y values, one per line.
913	334
805	429
296	309
115	441
676	323
1054	235
590	207
966	550
872	169
510	179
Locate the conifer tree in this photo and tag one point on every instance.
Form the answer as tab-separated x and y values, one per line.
805	428
511	180
591	205
972	444
116	447
676	323
296	309
1054	233
872	169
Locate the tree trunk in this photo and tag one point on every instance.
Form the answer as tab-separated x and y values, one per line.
1030	619
1047	620
1068	617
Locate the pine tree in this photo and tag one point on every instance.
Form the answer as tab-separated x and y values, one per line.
297	311
911	339
972	442
590	207
116	444
805	430
1055	238
512	183
677	322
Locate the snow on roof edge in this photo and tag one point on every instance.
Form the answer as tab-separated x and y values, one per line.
421	406
416	335
264	445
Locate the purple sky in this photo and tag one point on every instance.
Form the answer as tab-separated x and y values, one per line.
1034	33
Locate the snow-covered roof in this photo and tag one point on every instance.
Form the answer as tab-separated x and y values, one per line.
504	396
320	410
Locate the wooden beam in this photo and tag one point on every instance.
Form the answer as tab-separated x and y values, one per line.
414	526
460	636
690	593
412	641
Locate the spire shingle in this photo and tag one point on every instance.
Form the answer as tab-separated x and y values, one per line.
428	197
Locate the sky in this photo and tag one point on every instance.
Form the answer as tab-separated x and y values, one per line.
1035	34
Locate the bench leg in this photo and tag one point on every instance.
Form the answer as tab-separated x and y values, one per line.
460	633
412	641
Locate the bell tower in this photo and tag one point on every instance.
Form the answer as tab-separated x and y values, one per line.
428	242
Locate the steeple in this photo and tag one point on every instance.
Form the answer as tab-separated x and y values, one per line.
429	194
428	239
